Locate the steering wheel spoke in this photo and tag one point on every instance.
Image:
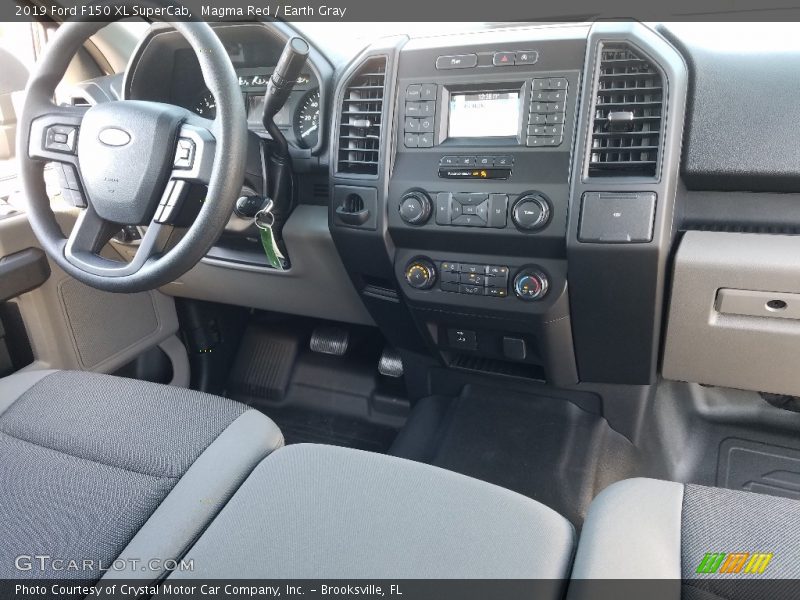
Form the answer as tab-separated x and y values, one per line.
91	233
54	134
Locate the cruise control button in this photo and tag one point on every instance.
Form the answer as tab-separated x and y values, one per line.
503	59
457	61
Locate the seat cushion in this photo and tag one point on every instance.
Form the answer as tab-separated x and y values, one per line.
713	543
313	511
88	458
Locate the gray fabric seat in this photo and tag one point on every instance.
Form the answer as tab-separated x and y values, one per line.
92	463
712	543
313	511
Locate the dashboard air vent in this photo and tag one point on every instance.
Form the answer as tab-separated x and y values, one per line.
362	111
627	114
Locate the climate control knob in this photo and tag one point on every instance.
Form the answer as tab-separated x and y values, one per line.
420	274
531	284
531	212
415	207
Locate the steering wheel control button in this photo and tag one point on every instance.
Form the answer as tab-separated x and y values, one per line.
184	154
530	285
531	212
61	138
420	274
170	201
415	208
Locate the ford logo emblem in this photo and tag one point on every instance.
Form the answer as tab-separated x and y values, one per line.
111	136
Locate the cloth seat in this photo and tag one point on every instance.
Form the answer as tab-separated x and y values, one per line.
712	543
92	464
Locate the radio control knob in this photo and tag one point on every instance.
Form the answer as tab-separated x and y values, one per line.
415	208
531	212
420	274
531	284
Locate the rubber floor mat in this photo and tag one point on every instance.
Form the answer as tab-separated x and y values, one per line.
307	426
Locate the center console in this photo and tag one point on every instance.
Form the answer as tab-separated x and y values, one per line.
507	166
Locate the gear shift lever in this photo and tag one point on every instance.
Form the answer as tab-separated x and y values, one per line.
281	83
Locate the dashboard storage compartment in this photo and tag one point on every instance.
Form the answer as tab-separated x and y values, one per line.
734	317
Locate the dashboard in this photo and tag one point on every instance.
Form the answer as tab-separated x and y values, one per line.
508	201
253	51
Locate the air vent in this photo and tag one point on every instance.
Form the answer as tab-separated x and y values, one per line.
627	114
362	112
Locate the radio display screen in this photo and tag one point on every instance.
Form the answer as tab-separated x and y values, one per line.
484	114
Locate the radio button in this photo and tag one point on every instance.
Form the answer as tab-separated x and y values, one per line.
474	198
427	91
557	96
413	91
411	140
426	140
469	221
556	118
455	210
457	61
503	59
537	130
539	107
443	210
498	210
411	124
426	124
537	119
554	140
557	83
469	209
482	210
527	57
555	130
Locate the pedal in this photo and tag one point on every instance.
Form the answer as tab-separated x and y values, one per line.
330	340
390	364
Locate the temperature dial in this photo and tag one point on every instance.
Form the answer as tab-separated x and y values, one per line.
421	274
530	284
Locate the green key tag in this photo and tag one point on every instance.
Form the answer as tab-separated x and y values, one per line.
264	220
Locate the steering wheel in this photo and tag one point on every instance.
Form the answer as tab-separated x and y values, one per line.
135	161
